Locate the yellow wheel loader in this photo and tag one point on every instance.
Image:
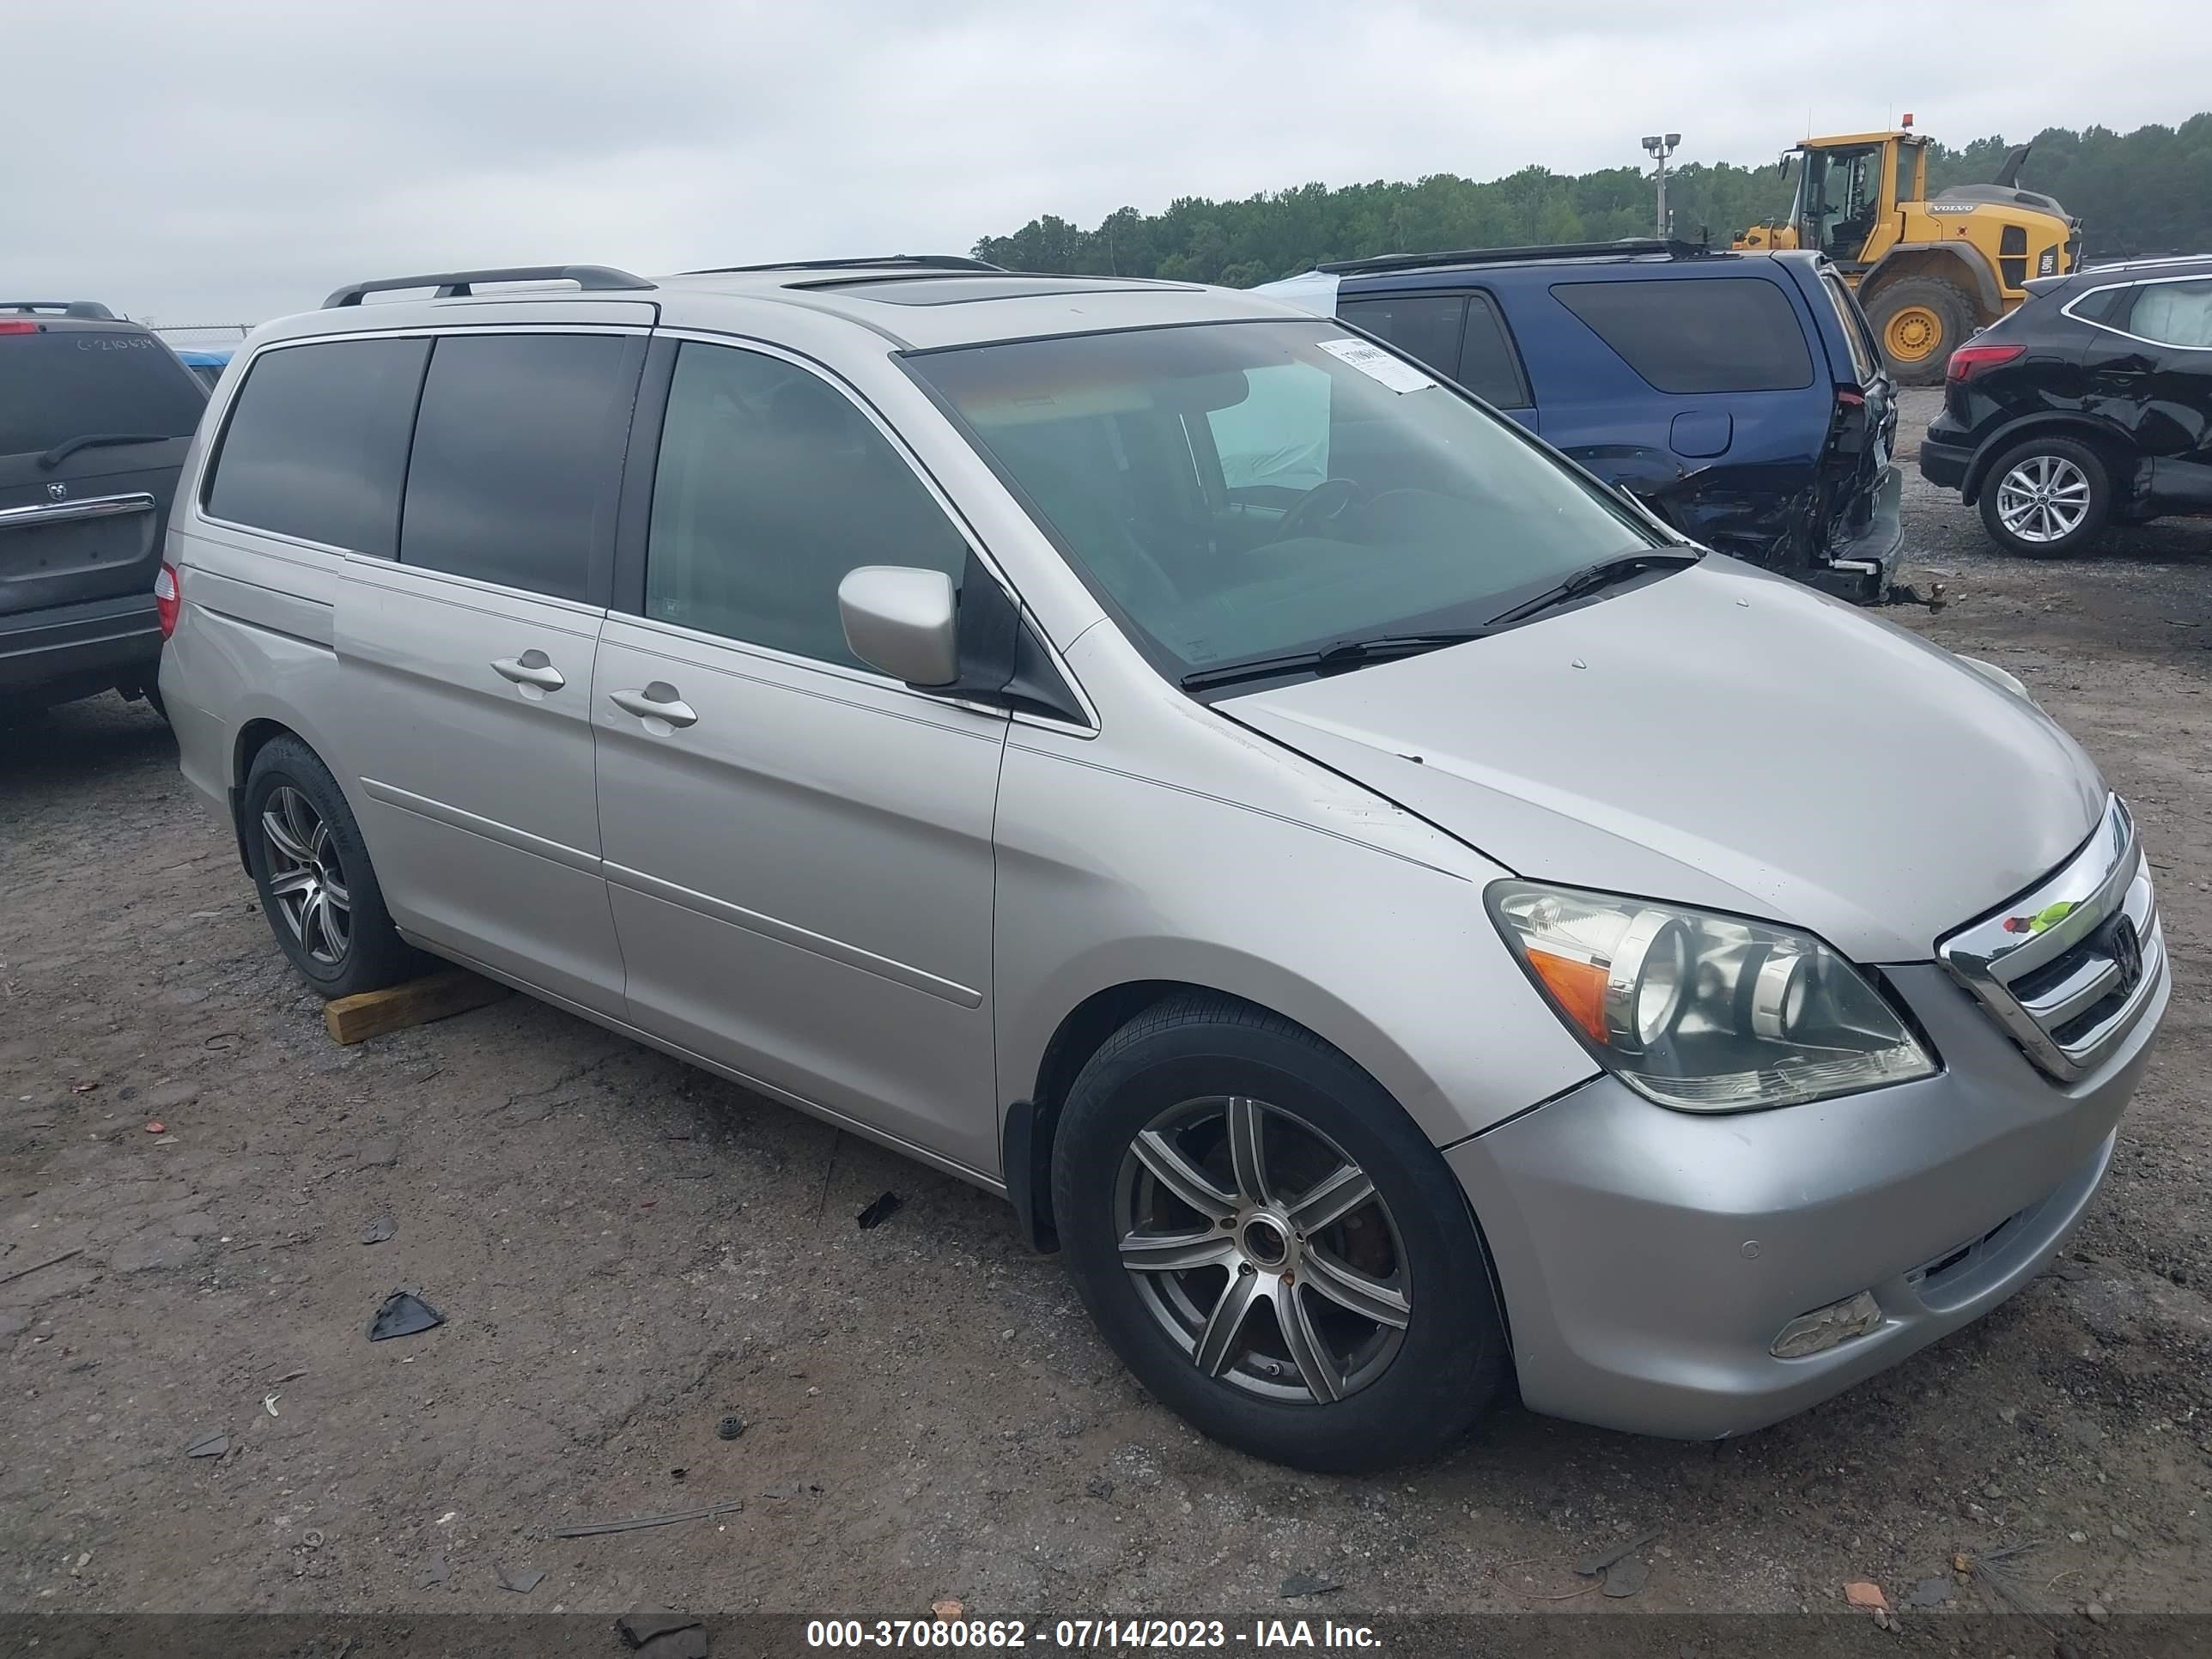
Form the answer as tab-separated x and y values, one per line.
1929	272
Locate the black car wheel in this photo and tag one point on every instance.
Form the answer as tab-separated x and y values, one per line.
2047	498
1270	1243
313	873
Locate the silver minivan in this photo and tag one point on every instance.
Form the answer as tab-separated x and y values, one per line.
1399	919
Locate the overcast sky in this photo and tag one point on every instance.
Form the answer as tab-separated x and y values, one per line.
210	160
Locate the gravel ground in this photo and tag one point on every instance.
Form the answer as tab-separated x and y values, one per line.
627	1251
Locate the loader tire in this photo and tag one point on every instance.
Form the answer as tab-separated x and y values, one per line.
1920	321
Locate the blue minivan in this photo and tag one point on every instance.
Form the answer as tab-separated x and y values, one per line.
1741	396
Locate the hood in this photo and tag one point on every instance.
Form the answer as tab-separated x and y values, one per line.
1724	737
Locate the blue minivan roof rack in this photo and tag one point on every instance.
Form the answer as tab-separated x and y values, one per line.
459	284
1627	247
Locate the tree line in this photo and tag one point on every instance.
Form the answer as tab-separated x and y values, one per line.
2142	192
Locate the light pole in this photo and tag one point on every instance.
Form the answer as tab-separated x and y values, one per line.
1659	146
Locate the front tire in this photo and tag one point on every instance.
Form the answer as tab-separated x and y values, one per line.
2046	498
1270	1245
312	870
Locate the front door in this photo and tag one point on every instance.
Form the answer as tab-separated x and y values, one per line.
467	660
798	849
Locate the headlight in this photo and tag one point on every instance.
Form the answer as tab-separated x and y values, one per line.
1703	1012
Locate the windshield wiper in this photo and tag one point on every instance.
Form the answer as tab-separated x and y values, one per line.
1592	577
60	453
1345	654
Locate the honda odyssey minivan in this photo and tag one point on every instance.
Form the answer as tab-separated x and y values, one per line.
1428	930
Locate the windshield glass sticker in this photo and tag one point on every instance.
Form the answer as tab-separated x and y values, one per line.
1378	364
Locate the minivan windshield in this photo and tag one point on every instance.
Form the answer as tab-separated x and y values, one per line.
1245	491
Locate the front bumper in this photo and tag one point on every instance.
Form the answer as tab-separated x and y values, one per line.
1648	1259
93	645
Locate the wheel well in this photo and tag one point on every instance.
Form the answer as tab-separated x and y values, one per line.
1031	1126
1945	264
2118	458
252	737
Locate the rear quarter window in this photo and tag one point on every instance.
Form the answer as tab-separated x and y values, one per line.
70	383
316	443
1697	335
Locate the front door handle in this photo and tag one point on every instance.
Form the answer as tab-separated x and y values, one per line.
657	702
530	668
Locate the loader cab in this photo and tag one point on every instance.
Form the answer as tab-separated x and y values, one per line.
1848	191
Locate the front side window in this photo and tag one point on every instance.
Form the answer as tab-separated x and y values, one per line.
316	443
517	462
1697	335
2173	313
770	486
1428	513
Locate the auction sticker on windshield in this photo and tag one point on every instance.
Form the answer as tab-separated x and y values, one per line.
1378	364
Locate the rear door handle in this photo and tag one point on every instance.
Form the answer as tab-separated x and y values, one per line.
530	668
657	702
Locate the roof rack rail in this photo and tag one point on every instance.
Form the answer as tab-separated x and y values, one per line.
1673	248
459	284
918	261
90	310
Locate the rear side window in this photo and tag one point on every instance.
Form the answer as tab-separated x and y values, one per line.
1488	365
316	444
2173	313
517	462
1424	326
70	382
1697	335
1857	335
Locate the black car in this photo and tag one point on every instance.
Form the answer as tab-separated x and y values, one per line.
95	415
2090	404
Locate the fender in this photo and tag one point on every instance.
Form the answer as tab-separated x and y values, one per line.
1906	259
2078	422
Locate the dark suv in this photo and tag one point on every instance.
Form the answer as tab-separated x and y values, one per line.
95	415
2091	404
1741	396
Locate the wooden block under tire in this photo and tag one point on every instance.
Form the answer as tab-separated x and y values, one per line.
419	1002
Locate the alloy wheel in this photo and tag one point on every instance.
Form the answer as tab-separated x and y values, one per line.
1262	1250
305	878
2044	499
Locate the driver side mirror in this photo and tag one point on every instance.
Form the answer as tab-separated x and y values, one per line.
903	621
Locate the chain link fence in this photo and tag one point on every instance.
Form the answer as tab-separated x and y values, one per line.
203	334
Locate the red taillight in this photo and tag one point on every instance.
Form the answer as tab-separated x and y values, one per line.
165	600
1969	361
17	325
1849	397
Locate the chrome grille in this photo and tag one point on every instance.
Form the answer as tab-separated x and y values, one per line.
2067	969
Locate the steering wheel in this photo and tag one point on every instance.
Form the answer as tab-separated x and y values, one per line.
1326	501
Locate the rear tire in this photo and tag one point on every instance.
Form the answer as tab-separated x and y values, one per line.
1344	1339
1920	321
311	867
2046	498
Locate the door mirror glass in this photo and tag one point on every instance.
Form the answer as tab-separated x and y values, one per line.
903	621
